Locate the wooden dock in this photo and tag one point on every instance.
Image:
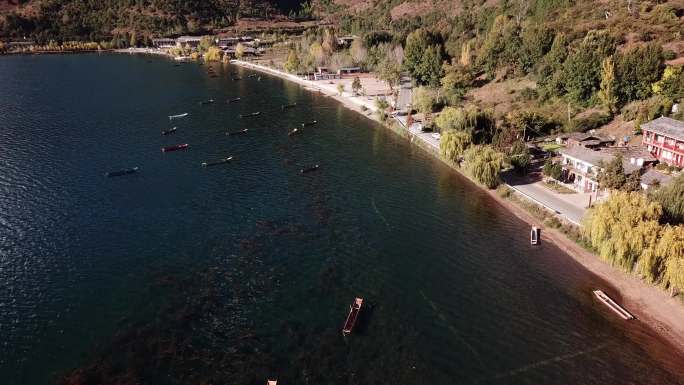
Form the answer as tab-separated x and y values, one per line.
612	305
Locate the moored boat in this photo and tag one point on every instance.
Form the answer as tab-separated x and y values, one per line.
238	132
234	100
204	102
175	148
354	310
237	78
294	131
612	305
125	171
169	131
252	75
272	382
534	235
250	115
171	117
217	162
309	169
311	123
291	105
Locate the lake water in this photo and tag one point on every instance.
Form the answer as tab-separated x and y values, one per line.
231	274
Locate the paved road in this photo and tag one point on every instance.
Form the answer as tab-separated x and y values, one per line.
571	206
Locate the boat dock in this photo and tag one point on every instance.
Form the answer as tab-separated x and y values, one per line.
612	305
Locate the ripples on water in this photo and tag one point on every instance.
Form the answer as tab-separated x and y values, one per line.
239	272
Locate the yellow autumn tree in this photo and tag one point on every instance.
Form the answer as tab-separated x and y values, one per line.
623	228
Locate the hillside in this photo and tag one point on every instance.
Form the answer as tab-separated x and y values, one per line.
102	20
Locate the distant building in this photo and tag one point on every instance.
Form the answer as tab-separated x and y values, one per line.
225	42
581	166
163	43
192	41
664	138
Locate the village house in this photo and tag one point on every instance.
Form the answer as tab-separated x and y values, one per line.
664	138
653	179
584	139
581	166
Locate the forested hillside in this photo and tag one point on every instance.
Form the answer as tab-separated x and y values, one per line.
97	20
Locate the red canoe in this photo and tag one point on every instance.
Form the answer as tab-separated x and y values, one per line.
354	310
175	148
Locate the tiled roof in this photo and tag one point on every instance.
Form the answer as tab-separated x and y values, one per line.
666	126
596	157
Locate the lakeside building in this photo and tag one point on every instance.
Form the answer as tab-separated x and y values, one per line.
581	166
192	41
654	179
664	138
163	43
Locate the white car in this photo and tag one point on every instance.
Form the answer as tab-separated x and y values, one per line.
436	135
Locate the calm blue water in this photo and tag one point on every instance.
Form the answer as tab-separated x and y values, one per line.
239	272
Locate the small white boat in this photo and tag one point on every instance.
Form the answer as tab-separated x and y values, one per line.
612	305
172	117
272	382
534	235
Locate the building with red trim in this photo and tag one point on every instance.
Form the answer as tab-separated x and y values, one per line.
664	138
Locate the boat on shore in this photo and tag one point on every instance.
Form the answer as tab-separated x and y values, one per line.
286	106
233	100
612	305
205	102
125	171
309	169
354	310
217	162
238	132
175	148
293	132
237	78
311	123
253	114
172	117
252	75
169	131
534	235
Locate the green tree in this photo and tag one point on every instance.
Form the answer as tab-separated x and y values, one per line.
453	143
612	174
635	70
501	46
356	85
416	44
424	99
623	227
205	43
292	63
390	72
520	155
582	69
483	163
607	88
671	198
429	70
552	169
456	118
550	71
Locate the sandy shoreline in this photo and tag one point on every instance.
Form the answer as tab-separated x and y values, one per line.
650	304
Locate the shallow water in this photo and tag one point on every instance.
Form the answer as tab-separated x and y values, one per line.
238	272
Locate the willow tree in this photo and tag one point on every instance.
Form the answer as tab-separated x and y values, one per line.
623	227
483	163
213	54
453	143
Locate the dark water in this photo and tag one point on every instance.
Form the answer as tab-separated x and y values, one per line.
239	272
